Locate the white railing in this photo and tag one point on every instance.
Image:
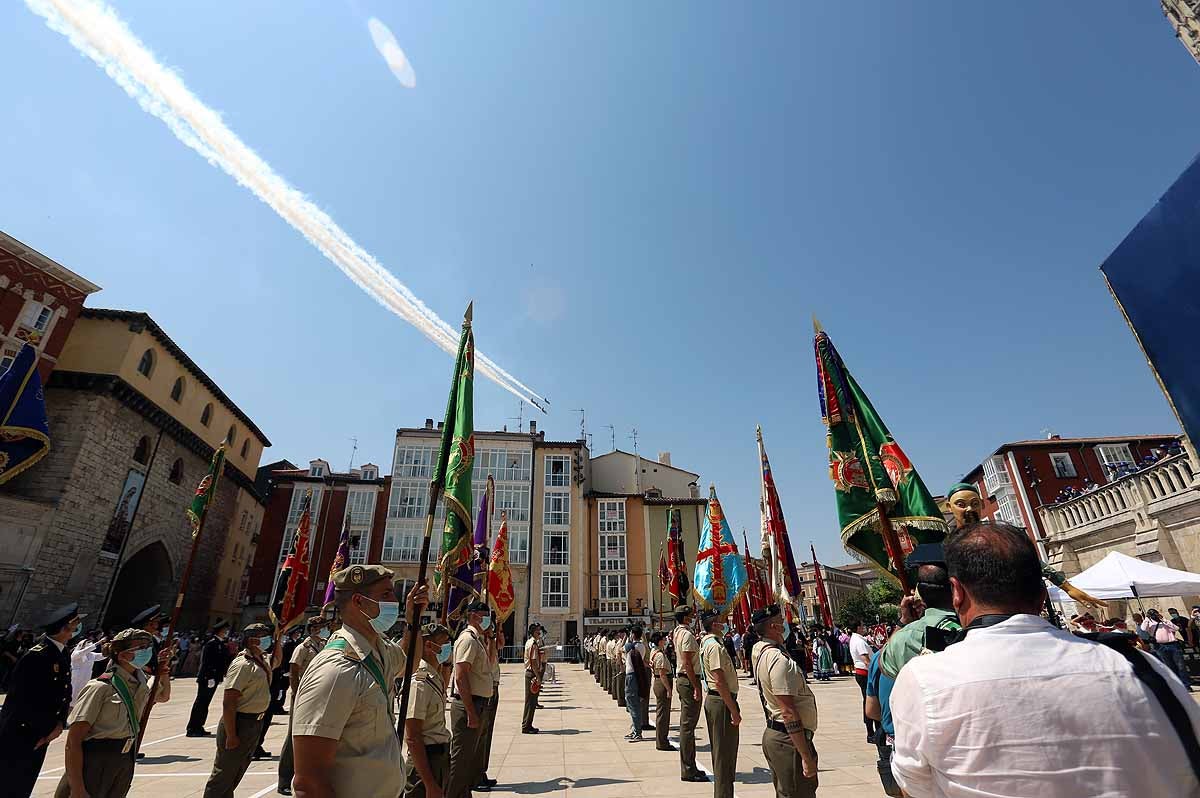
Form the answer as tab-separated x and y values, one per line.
1123	499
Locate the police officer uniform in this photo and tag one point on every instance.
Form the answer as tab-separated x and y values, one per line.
214	661
466	759
111	706
302	656
722	734
778	674
346	694
427	703
250	676
689	708
37	703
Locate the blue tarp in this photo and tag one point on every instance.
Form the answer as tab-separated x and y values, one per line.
1155	276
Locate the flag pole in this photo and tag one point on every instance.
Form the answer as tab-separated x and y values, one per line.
183	585
660	585
436	485
491	512
892	544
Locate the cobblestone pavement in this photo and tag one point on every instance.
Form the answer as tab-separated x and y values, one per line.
580	751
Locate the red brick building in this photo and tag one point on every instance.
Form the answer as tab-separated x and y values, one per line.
356	498
39	302
1021	476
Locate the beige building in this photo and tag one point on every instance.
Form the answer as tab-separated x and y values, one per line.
134	422
560	522
1182	14
840	583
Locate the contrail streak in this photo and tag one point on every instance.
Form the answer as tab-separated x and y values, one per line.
94	29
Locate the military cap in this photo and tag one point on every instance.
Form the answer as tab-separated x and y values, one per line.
316	622
959	486
708	616
926	554
57	616
357	578
431	630
219	625
257	630
765	614
130	638
145	616
478	606
682	611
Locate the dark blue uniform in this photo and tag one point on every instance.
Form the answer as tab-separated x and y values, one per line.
39	698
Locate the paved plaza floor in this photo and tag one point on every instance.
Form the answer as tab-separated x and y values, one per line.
580	751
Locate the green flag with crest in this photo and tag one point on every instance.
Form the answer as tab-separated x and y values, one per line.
456	456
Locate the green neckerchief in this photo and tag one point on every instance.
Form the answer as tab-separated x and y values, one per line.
118	683
339	644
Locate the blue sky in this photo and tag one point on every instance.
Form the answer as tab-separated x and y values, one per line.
647	203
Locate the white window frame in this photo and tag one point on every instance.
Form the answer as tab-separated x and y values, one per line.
995	474
413	460
503	465
1109	454
558	470
556	554
1057	458
409	498
1008	511
518	543
513	499
556	509
316	471
7	359
556	599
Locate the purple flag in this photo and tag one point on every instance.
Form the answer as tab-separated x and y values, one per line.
467	582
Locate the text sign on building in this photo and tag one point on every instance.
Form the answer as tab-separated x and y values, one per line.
613	620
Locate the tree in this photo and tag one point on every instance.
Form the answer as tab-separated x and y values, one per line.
877	602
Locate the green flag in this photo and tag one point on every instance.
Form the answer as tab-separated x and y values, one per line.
205	490
456	456
870	471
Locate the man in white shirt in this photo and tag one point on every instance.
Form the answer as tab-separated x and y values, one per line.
860	657
1020	708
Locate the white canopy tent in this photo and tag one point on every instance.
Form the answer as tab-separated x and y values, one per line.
1119	576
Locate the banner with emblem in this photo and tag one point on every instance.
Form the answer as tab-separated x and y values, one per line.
340	559
678	585
455	461
500	590
24	432
204	491
872	476
720	577
785	579
291	588
467	583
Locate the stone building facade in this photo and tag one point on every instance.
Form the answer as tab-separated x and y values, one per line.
101	520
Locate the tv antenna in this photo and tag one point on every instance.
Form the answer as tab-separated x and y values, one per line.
613	432
353	452
582	423
633	433
520	416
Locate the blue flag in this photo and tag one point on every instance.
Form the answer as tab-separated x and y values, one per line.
24	433
720	577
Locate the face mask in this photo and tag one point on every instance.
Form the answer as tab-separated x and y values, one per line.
486	623
264	642
323	634
141	657
445	652
389	613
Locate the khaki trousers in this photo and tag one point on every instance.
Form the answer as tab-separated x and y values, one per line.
618	686
662	716
689	716
107	773
466	760
439	763
489	726
724	738
530	702
231	764
787	770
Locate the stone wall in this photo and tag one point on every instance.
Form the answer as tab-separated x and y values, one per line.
94	437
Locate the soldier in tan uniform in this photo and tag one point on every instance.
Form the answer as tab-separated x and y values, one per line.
495	637
533	675
790	707
721	709
425	731
618	663
660	673
243	707
343	729
103	724
687	686
472	689
318	632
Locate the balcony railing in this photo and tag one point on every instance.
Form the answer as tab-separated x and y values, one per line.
1134	497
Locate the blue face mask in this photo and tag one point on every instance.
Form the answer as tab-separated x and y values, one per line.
485	623
389	613
445	652
323	634
141	657
264	642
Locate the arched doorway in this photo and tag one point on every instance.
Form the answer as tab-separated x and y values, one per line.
146	578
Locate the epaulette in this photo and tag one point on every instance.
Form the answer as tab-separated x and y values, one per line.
339	644
39	648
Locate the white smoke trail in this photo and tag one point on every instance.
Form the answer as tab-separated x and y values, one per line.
93	28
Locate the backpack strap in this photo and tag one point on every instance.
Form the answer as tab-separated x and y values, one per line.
1174	710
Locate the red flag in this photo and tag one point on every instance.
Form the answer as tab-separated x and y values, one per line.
821	597
664	573
293	575
500	586
677	584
